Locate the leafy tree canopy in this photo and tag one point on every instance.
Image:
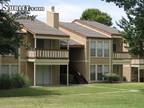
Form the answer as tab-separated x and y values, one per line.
133	26
96	15
126	4
10	38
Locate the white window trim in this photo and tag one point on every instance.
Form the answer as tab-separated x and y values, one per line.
9	68
96	72
103	50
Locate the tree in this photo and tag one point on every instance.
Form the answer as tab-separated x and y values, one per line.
10	39
126	4
133	26
96	15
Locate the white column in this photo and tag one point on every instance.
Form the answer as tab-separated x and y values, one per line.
67	74
34	74
138	74
96	73
67	44
35	43
68	65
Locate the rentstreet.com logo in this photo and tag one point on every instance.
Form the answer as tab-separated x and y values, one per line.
6	6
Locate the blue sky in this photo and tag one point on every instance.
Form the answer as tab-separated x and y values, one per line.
72	9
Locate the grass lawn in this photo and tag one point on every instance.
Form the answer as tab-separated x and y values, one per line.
81	96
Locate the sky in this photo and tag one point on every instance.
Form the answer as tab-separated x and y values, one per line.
72	9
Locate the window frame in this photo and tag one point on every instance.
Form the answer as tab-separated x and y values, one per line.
102	47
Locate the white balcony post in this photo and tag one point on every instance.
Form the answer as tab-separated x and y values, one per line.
34	74
138	74
35	43
68	65
67	74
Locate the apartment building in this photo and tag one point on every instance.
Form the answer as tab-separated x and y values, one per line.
43	56
102	50
85	49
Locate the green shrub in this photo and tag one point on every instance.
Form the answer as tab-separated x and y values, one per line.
111	77
18	81
5	82
14	81
124	79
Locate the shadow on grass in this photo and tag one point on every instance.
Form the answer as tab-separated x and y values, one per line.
21	92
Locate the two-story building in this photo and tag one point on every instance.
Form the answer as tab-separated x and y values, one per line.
55	50
102	50
41	58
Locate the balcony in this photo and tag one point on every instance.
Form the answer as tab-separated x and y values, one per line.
48	54
121	55
137	61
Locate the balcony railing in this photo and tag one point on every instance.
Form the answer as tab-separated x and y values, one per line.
121	55
48	54
137	61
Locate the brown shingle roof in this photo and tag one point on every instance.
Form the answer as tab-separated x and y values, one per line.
100	26
38	27
81	30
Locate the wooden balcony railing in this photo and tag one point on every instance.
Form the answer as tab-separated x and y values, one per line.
48	54
121	55
137	61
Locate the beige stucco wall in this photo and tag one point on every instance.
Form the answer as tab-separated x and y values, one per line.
9	60
80	39
127	72
30	72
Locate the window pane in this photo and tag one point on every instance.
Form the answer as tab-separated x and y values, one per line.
106	68
114	47
99	48
4	69
99	72
93	73
106	49
93	48
14	69
40	43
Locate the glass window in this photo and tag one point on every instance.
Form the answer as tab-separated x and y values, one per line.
114	47
40	43
93	72
100	72
99	48
106	49
93	48
4	69
14	69
106	69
